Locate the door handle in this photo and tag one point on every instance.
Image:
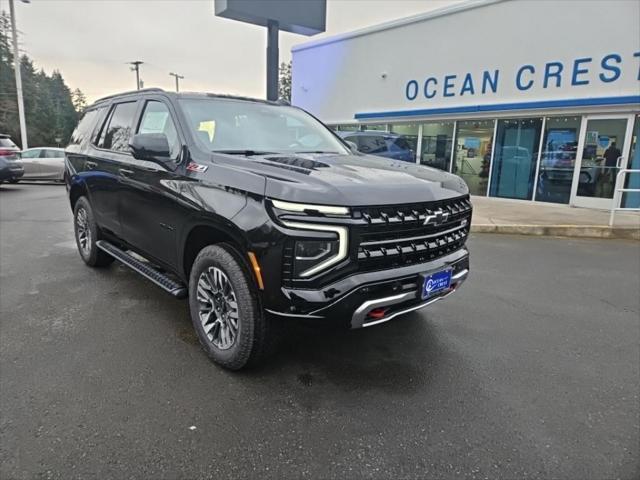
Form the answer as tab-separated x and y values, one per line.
125	172
90	165
619	162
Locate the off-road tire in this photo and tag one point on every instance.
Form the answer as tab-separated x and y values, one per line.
253	340
91	255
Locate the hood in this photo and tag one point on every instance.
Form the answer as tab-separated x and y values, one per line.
349	180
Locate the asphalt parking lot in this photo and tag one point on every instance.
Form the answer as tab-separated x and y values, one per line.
531	370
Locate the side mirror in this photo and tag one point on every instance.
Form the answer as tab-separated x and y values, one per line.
153	147
352	146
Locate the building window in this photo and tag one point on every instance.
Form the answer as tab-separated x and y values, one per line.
404	140
473	153
601	154
514	161
558	159
437	140
632	199
346	128
378	127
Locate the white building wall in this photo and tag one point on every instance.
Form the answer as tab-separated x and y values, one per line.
384	69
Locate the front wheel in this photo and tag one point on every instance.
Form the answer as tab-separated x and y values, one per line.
87	234
14	180
225	309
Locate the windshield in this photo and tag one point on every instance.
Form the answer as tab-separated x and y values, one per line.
236	126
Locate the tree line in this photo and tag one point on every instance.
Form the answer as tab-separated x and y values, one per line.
52	110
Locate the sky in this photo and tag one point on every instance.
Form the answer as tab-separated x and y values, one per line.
91	41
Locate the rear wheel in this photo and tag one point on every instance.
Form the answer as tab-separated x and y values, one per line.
87	234
225	309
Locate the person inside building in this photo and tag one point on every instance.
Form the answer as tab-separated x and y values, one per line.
611	155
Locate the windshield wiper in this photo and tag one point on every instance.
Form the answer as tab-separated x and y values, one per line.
246	153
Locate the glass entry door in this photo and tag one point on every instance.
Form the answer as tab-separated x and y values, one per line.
602	151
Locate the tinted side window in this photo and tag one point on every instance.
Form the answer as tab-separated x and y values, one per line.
84	128
401	144
52	154
31	153
117	131
157	119
372	144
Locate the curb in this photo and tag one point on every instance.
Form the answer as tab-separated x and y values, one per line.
578	231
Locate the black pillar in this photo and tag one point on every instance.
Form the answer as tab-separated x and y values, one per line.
272	60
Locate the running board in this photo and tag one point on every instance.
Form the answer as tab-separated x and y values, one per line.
176	289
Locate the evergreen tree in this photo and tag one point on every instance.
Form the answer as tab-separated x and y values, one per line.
284	85
51	109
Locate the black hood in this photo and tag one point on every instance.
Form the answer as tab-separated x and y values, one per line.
349	180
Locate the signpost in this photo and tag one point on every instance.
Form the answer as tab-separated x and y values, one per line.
306	17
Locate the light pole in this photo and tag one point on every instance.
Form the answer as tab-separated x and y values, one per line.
16	63
178	78
136	68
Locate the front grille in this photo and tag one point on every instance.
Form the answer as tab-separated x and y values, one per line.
385	237
396	236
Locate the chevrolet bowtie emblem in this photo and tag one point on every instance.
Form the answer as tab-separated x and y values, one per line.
438	217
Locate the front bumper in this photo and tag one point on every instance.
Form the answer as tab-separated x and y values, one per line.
349	301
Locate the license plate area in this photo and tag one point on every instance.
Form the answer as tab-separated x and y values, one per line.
435	282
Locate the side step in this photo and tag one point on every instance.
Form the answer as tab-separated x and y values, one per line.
176	289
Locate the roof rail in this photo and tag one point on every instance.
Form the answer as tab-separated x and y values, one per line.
130	92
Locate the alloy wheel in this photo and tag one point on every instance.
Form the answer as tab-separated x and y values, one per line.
84	232
217	308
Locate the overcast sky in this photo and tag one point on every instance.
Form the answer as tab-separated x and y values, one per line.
90	41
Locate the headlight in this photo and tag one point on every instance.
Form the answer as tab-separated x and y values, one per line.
313	256
310	253
303	207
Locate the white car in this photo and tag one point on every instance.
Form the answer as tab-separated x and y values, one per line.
43	163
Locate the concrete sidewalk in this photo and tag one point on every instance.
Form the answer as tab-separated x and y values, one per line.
497	215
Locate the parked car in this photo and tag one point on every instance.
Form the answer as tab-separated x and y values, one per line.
381	144
44	163
10	166
256	212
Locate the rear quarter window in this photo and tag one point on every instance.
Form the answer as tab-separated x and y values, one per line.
117	129
84	128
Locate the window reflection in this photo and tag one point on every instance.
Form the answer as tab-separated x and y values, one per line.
514	164
473	153
600	156
558	159
632	199
405	143
437	139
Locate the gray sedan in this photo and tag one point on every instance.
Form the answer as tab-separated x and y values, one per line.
43	163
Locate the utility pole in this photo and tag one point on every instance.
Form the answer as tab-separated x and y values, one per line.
178	78
136	68
273	29
16	63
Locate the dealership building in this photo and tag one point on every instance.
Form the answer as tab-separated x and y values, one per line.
529	100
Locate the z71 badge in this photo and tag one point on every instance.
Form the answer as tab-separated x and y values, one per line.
196	167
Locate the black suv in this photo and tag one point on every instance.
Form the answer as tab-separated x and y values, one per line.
255	210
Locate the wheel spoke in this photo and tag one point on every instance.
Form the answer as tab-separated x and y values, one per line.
203	294
218	307
215	332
